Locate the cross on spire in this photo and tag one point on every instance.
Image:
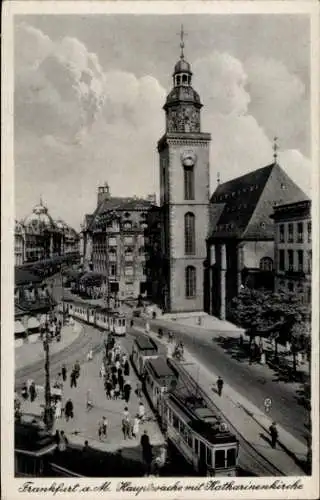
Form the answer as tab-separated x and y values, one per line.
182	35
275	149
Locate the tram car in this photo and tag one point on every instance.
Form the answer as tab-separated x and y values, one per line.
143	349
106	319
195	430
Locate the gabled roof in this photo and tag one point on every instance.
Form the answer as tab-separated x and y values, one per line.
241	208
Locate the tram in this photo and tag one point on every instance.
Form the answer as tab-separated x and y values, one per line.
195	430
107	319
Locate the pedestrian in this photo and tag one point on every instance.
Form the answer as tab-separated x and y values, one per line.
102	370
139	389
63	442
126	414
90	355
77	369
116	391
146	451
125	428
24	391
110	357
123	358
64	372
274	434
89	404
86	446
114	380
73	378
68	410
131	323
32	392
58	409
121	383
220	385
119	372
127	391
108	387
104	426
126	368
141	411
117	363
135	428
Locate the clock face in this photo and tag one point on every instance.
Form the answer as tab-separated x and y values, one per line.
188	158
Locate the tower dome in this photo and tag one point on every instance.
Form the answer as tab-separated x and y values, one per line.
182	66
40	218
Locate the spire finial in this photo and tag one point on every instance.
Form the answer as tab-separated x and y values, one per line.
41	202
218	178
275	148
182	35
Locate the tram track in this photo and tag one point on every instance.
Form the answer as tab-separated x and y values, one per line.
250	458
89	338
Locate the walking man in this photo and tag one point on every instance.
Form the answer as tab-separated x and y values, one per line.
146	451
32	391
219	385
73	378
104	426
127	391
274	434
64	372
68	410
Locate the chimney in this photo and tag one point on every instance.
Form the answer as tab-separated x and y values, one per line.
103	193
152	198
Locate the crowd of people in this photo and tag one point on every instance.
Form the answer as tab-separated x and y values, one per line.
51	327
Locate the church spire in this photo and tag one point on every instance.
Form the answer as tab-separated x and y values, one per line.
182	35
275	148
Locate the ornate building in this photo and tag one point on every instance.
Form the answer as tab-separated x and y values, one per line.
293	247
39	237
115	242
184	199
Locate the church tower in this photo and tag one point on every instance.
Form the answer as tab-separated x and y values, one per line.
184	194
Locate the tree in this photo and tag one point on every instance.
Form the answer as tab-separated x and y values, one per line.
282	316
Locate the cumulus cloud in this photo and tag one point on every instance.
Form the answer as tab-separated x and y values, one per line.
78	125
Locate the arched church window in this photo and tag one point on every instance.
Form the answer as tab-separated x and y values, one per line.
190	281
188	183
178	80
184	78
189	233
266	264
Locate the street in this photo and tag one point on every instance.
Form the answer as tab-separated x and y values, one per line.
254	382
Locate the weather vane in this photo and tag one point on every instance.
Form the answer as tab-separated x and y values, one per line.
182	35
275	149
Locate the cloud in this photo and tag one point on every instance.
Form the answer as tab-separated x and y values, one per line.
77	125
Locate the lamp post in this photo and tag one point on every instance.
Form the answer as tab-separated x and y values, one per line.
48	412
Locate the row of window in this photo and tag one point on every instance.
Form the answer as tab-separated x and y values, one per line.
222	458
128	270
298	229
302	257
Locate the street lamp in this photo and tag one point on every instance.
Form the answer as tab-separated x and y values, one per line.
48	411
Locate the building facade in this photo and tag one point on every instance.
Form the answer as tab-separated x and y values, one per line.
240	247
116	244
184	198
293	248
39	237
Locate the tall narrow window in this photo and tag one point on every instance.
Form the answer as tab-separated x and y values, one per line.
290	233
190	282
188	183
300	232
300	260
290	260
281	233
309	232
189	234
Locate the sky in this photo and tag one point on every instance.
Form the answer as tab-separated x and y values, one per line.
89	91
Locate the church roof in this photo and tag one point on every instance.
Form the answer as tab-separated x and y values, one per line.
182	66
183	94
241	207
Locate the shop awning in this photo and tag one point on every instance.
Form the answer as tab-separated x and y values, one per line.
33	323
18	327
91	278
25	277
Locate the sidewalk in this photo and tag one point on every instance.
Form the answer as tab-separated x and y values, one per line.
204	321
250	422
32	351
84	425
